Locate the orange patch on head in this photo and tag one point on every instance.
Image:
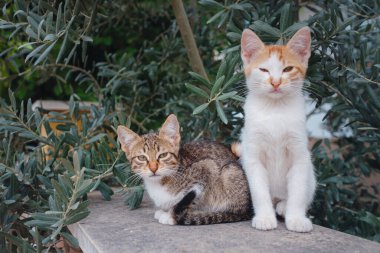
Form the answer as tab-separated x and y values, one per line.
284	54
260	58
292	60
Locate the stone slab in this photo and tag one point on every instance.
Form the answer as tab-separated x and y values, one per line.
112	228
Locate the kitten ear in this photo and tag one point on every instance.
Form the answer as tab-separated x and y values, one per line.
250	46
300	44
170	130
126	138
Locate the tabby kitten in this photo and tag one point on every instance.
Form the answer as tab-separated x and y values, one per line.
273	146
196	184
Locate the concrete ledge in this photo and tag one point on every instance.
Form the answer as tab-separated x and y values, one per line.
112	228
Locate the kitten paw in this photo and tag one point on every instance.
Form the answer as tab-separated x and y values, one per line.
280	208
166	219
299	224
264	222
158	214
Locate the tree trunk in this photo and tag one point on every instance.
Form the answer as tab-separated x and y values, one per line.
188	38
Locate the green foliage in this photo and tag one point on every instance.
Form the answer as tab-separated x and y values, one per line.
128	55
44	187
216	92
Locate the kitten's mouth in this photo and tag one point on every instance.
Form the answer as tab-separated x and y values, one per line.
155	177
276	91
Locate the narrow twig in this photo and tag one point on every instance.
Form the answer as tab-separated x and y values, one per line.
139	124
338	92
109	172
359	75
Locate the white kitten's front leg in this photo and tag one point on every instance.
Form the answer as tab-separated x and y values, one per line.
301	186
265	217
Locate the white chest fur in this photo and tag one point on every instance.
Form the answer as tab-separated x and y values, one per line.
276	133
160	196
261	113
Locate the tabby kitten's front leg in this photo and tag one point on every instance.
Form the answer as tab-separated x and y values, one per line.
166	218
172	216
158	214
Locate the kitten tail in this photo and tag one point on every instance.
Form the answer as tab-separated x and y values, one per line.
205	218
183	214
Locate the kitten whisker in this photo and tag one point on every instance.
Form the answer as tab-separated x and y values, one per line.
134	178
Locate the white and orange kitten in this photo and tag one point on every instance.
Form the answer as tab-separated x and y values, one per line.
274	142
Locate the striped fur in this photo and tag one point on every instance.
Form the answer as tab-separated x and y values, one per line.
187	216
197	183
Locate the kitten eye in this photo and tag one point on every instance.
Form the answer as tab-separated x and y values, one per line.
264	70
142	158
287	69
163	155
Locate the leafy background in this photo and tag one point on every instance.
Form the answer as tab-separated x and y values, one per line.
130	58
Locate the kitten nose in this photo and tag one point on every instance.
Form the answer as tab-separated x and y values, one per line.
153	166
275	83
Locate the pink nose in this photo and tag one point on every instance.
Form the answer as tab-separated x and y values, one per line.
153	166
275	83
